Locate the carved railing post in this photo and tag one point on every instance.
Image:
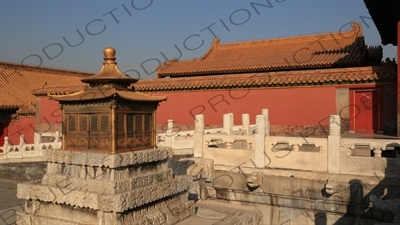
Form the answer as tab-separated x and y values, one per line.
227	124
259	141
5	147
21	148
198	135
37	137
334	144
246	123
232	119
334	125
21	141
267	128
56	140
168	136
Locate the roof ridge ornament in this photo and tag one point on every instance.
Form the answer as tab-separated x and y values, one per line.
357	29
216	41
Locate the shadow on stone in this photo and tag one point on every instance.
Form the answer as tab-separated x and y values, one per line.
320	218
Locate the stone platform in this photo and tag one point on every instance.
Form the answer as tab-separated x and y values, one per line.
94	188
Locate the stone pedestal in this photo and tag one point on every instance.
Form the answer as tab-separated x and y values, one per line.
106	189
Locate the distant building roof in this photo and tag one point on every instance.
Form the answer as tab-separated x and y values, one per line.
327	50
17	82
352	75
59	89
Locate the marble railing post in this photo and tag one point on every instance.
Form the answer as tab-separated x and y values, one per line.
246	123
227	124
232	119
267	128
198	135
168	136
56	140
37	137
334	144
21	142
259	141
5	146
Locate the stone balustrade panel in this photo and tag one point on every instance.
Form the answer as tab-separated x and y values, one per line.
367	165
229	155
292	157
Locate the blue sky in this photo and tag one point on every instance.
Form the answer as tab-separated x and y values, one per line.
144	31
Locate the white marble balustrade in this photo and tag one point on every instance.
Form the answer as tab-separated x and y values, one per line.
23	150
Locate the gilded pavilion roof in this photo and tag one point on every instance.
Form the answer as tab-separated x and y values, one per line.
102	92
109	73
327	50
109	82
17	81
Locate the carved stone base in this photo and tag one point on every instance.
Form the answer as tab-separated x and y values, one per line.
124	188
166	211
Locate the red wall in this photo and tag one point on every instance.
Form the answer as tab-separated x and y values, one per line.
25	126
287	106
50	111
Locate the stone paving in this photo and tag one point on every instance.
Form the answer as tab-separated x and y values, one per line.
9	203
205	216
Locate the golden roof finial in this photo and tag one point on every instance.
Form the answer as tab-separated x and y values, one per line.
109	54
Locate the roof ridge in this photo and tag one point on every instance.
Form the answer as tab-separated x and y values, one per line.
341	46
7	65
292	72
167	63
77	85
356	29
